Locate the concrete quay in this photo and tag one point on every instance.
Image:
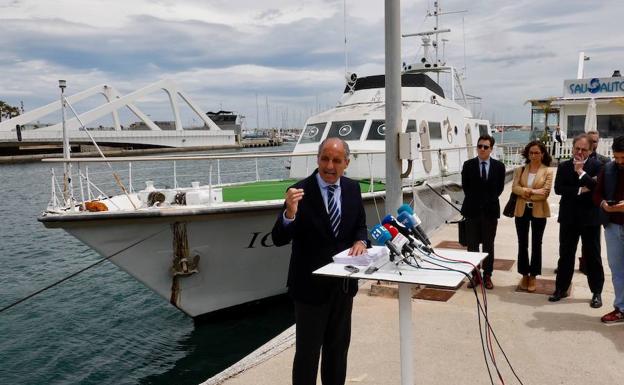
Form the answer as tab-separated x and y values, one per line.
547	343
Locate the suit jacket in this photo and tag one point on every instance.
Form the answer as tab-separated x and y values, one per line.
575	208
603	159
313	241
543	179
479	196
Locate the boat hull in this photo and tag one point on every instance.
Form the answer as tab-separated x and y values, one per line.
238	262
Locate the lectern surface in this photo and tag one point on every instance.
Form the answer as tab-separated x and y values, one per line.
428	274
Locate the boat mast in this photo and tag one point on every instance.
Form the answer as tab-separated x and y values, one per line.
67	180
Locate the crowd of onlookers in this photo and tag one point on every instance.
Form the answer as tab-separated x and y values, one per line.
591	187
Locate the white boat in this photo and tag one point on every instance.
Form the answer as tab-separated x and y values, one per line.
207	247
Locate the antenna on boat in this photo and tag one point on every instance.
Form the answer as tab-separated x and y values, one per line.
346	47
351	78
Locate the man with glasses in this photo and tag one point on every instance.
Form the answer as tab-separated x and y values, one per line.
483	181
578	218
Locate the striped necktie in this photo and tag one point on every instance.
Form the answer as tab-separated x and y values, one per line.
332	208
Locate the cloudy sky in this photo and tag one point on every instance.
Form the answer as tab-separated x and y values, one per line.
243	55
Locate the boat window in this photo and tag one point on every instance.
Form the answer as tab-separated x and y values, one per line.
313	133
411	126
483	130
435	130
377	130
346	130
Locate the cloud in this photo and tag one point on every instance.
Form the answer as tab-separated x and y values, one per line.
293	53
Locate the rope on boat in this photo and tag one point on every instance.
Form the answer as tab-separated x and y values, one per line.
183	264
80	271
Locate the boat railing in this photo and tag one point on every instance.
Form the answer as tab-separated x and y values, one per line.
179	172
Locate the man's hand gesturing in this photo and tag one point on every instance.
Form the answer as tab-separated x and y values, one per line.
293	196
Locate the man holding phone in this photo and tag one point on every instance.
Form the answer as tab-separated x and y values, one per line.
578	218
609	195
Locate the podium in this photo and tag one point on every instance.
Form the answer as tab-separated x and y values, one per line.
407	277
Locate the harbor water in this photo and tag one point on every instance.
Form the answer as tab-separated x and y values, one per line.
102	326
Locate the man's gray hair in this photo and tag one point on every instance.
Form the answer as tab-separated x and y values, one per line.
579	137
344	145
592	132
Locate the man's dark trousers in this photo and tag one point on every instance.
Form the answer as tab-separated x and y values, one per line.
334	319
569	234
482	229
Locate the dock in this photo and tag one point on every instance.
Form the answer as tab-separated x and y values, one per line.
547	343
261	142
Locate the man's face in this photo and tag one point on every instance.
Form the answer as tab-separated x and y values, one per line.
619	159
593	141
581	149
332	162
484	149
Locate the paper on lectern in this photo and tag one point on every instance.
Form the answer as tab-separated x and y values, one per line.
370	256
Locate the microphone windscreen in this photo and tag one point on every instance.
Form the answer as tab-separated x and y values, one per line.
407	208
380	235
406	219
392	230
387	219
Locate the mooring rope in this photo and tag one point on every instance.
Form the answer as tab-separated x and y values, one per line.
80	271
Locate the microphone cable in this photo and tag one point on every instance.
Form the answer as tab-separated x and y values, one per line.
483	344
482	309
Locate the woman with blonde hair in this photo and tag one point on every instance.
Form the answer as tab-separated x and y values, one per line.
532	184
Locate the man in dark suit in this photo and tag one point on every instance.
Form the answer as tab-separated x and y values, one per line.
323	215
594	138
578	218
483	181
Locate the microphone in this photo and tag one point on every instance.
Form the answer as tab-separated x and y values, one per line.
417	228
382	237
414	243
402	242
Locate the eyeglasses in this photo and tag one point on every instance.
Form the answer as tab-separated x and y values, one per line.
578	149
535	153
483	146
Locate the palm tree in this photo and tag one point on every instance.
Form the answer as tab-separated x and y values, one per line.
8	111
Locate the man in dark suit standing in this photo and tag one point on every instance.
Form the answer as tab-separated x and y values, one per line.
594	138
323	215
578	218
483	181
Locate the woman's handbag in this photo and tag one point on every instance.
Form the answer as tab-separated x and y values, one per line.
510	207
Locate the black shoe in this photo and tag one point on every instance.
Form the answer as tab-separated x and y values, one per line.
557	295
596	301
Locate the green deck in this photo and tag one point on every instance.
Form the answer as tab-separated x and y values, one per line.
261	191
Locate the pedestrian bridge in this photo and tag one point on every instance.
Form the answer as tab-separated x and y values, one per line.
13	136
